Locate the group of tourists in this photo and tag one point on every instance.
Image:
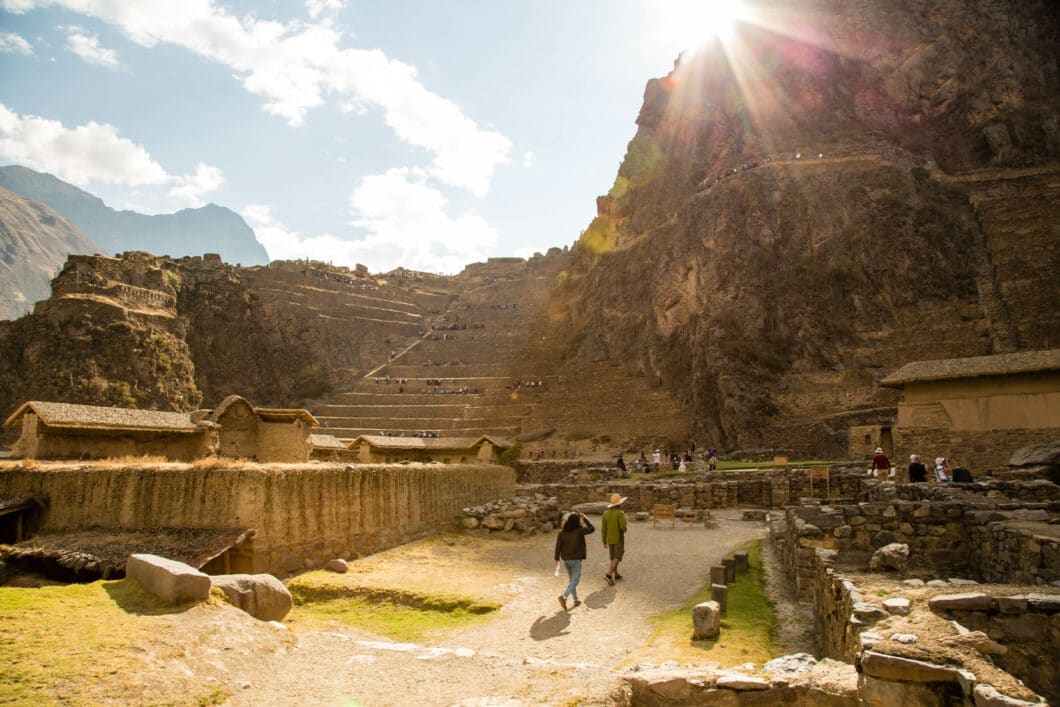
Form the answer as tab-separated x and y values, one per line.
519	385
571	549
457	327
944	471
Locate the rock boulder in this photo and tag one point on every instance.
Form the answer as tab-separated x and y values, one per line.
894	556
171	581
260	595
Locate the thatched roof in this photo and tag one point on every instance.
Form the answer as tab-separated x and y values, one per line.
325	442
429	443
266	414
286	415
975	367
104	551
92	417
13	504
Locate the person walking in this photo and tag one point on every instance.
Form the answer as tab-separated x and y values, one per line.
570	549
880	463
656	459
613	534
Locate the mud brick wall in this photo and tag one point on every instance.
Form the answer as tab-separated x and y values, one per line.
990	448
303	514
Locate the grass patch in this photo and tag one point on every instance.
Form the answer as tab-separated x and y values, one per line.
72	644
398	614
747	628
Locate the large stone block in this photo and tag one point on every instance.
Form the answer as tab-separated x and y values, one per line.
706	620
961	602
260	595
171	581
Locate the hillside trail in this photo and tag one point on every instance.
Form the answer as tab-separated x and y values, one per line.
530	652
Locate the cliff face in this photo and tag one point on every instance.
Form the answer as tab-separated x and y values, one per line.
796	217
34	242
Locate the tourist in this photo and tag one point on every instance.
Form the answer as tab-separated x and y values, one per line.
880	462
917	471
656	459
613	534
961	475
943	472
570	548
621	463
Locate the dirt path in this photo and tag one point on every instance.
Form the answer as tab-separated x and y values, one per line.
531	653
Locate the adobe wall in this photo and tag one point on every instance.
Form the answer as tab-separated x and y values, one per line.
283	441
303	514
38	441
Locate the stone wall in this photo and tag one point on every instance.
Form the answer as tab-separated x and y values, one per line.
303	514
984	541
990	449
762	489
1037	491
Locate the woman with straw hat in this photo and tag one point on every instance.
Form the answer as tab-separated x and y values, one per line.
613	532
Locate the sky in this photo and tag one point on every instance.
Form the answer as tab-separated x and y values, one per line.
393	133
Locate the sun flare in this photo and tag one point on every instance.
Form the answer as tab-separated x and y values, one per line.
689	24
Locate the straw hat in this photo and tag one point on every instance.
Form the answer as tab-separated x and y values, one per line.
617	500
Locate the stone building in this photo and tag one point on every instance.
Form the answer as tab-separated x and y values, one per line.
380	449
68	431
977	408
327	448
262	434
234	429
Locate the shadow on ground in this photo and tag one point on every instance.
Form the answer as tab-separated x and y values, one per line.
556	625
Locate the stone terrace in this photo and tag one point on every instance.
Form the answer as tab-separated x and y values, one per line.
481	349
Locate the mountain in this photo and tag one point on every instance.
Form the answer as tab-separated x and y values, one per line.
799	214
34	243
208	229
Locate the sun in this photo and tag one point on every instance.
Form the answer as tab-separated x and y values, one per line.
689	24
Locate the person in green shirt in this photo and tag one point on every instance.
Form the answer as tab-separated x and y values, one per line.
613	533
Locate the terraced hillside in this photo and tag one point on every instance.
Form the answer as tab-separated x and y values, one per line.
496	361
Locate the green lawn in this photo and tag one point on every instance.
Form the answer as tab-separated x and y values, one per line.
747	628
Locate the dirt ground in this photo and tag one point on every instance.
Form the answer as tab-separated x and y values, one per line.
530	652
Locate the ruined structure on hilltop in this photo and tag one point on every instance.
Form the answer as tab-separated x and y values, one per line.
796	219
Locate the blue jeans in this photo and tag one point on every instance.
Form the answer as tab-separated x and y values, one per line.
574	571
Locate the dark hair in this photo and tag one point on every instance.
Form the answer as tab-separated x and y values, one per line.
572	522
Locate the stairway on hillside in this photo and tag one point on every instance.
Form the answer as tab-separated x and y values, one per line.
353	322
460	375
1020	219
501	337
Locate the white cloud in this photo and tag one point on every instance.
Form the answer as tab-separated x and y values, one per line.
94	152
319	7
528	158
190	189
11	43
404	222
293	64
86	45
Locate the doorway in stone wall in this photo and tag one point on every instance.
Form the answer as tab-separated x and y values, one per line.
887	442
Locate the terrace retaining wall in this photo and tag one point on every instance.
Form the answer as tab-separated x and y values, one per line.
303	515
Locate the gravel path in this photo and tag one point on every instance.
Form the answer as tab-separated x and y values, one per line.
530	652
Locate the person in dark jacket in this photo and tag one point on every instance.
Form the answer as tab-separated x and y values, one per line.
917	471
570	548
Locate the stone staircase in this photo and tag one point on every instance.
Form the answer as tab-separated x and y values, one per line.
468	375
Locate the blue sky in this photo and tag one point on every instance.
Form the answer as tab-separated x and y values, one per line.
422	134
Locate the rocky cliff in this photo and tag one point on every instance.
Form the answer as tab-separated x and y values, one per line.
34	242
208	229
799	214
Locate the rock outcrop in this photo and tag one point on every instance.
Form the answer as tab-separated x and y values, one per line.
795	218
